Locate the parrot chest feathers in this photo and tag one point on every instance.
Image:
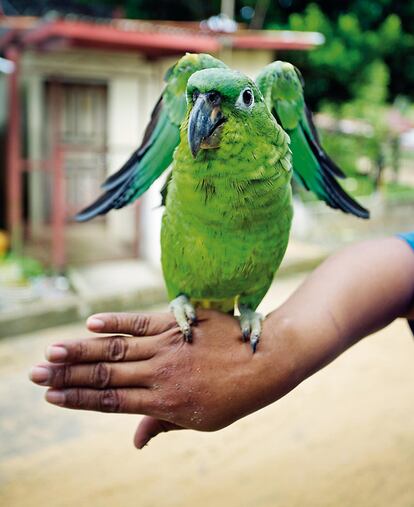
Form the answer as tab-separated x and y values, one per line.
222	233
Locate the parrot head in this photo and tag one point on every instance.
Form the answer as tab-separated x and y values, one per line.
218	99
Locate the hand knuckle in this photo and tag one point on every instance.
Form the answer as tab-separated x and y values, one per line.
140	325
80	351
66	375
116	321
101	375
164	400
61	376
173	337
164	371
75	399
116	348
110	401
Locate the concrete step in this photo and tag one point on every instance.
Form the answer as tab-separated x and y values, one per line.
107	286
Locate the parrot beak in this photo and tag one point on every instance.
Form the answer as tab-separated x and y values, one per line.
205	121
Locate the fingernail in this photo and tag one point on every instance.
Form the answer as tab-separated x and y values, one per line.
56	353
55	397
95	323
39	374
142	444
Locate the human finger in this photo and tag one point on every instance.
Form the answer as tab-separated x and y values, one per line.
95	375
149	427
110	348
136	324
133	400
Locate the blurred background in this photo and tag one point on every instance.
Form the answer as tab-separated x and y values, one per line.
78	81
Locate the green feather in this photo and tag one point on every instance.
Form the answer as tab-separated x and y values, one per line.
282	87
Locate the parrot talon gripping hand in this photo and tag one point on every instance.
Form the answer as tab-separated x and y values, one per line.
228	199
251	325
185	315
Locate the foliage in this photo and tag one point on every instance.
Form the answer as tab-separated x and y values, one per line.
185	10
337	70
368	106
347	151
23	268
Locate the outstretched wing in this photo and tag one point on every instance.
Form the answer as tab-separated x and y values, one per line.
161	137
282	87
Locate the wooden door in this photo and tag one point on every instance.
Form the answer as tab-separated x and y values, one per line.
83	135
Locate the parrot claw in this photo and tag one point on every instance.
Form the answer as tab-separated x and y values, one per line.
185	316
251	325
253	344
188	335
245	334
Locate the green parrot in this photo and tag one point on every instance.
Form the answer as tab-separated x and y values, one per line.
228	200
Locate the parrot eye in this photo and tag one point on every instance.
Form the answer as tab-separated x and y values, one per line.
196	93
246	99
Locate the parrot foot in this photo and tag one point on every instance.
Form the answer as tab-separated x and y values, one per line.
251	325
184	314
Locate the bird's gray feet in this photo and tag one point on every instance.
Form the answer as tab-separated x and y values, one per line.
251	325
184	314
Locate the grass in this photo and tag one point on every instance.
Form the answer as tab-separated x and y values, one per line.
18	269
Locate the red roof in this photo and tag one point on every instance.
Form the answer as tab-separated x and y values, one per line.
108	37
276	40
150	38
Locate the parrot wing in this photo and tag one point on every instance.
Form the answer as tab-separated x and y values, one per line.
161	137
282	87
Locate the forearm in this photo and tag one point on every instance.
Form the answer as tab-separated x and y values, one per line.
352	294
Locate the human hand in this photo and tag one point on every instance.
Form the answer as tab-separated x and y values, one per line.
205	385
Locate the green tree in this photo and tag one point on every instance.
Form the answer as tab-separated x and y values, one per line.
337	70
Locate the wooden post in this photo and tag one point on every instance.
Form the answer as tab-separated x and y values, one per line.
58	190
260	12
14	163
227	8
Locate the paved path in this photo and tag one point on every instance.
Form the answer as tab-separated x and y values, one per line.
344	437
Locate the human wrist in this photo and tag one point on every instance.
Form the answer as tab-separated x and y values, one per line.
305	343
281	359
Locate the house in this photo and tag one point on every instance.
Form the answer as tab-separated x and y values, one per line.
78	102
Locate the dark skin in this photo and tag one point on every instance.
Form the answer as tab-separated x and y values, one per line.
216	380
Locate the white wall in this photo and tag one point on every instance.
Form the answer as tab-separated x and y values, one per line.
35	129
247	61
124	131
150	210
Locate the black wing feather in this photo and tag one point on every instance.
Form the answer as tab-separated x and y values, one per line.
125	171
317	149
338	198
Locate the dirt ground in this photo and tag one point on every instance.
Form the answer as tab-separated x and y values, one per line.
345	437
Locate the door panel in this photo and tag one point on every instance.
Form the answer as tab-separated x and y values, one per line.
82	138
